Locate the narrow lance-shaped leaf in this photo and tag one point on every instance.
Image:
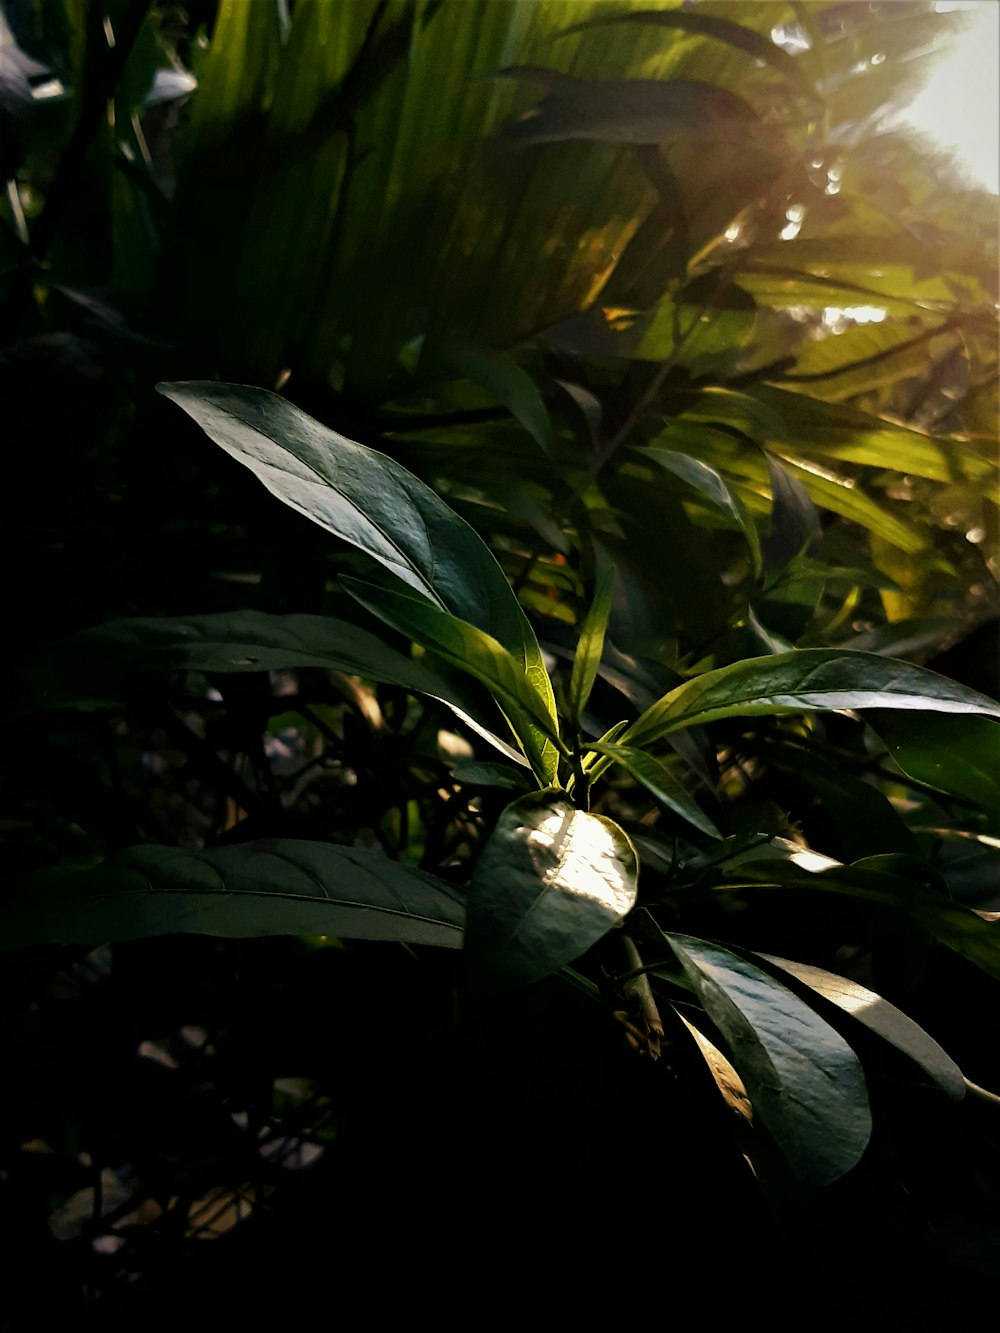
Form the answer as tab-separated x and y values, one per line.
278	886
591	644
806	678
881	1017
660	782
106	665
550	883
500	375
469	649
713	487
794	520
371	501
804	1081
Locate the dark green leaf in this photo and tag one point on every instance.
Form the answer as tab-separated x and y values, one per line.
805	1082
715	488
590	647
549	884
368	500
660	782
958	755
469	649
629	111
801	680
794	520
882	1017
274	887
501	376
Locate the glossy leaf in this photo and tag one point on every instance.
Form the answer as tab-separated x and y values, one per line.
273	887
469	649
804	1081
590	647
881	1017
805	679
660	782
369	500
958	755
550	883
501	376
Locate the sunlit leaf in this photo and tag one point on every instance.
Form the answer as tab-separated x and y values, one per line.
550	883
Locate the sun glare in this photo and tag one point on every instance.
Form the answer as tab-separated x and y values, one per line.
960	107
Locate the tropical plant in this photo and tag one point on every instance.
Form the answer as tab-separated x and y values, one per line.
640	385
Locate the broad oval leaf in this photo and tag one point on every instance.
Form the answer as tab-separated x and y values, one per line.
807	678
278	886
805	1082
369	500
881	1017
550	883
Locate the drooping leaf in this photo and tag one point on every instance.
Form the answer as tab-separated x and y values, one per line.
492	775
715	488
277	886
109	664
801	680
794	520
882	1017
590	646
799	869
469	649
627	111
550	883
501	376
958	755
660	782
720	29
804	1081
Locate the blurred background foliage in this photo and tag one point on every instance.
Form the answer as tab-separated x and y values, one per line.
642	279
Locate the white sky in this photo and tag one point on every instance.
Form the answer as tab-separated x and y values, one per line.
960	107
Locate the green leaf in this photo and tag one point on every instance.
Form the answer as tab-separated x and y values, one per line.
660	782
958	755
550	883
805	679
628	111
805	1082
723	30
370	501
950	923
709	483
590	647
469	649
277	886
491	775
794	520
881	1017
501	376
107	665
